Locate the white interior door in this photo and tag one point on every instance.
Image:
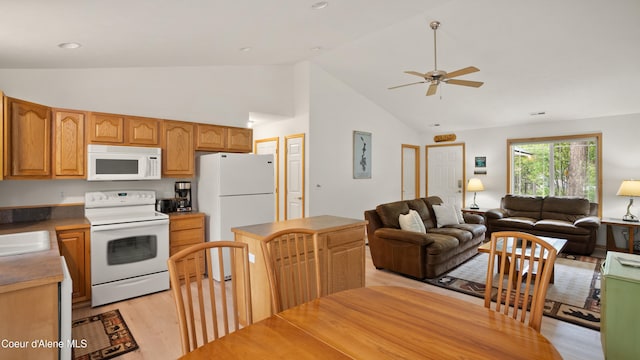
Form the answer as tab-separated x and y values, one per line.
445	172
294	176
272	146
410	172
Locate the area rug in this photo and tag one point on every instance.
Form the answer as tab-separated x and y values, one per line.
574	296
101	337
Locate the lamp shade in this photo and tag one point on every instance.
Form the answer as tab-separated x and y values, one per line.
476	185
629	188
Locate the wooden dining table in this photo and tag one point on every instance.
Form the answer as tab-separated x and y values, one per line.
383	322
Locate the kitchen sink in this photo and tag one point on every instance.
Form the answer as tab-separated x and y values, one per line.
24	242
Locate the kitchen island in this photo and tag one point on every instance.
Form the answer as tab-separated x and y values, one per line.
342	253
29	293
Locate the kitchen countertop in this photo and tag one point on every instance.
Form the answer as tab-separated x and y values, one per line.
177	214
37	268
322	222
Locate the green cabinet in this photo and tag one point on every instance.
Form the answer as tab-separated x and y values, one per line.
620	323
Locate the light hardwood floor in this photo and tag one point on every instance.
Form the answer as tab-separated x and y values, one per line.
153	322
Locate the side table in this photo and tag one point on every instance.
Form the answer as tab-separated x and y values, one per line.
480	211
611	243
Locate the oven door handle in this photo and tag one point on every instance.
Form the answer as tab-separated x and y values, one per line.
137	224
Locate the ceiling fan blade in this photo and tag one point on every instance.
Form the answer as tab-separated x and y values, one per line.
395	87
432	89
464	82
465	71
416	74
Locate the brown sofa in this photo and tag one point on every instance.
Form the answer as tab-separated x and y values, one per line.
573	219
415	254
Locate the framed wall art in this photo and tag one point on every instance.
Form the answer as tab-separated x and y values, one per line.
361	155
481	165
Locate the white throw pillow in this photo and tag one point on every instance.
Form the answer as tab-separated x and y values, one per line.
445	215
459	214
412	222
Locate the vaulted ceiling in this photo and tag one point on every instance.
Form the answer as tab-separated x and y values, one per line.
568	59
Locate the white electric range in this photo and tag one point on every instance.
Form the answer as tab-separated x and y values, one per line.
129	245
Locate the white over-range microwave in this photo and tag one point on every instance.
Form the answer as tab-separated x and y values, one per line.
110	162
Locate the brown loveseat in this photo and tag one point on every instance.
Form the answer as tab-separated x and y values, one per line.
415	254
573	219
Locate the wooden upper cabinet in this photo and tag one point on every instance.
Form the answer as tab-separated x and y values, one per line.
105	129
210	137
141	131
28	140
68	144
239	139
178	151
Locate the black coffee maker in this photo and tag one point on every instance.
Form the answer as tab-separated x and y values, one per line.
183	196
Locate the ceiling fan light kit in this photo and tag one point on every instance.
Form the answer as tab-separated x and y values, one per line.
436	77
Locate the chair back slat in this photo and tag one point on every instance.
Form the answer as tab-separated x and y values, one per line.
208	309
522	264
293	263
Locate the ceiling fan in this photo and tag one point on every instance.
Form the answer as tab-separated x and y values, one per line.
436	76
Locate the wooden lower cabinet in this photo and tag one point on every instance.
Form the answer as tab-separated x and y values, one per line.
186	229
74	245
341	243
26	315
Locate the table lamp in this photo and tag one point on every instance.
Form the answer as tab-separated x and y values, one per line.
629	188
474	185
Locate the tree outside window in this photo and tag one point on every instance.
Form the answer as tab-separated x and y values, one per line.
558	166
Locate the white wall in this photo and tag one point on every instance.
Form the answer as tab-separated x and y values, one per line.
220	95
50	192
296	124
619	142
313	102
620	159
328	111
336	111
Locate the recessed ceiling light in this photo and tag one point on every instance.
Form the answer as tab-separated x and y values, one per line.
320	5
245	49
317	48
435	125
69	45
537	113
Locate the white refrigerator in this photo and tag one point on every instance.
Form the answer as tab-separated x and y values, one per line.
234	190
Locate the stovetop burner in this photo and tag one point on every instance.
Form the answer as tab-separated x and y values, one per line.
116	207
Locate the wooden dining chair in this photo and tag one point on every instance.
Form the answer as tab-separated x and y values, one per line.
209	309
522	279
293	267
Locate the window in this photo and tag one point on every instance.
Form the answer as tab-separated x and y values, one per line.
556	166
